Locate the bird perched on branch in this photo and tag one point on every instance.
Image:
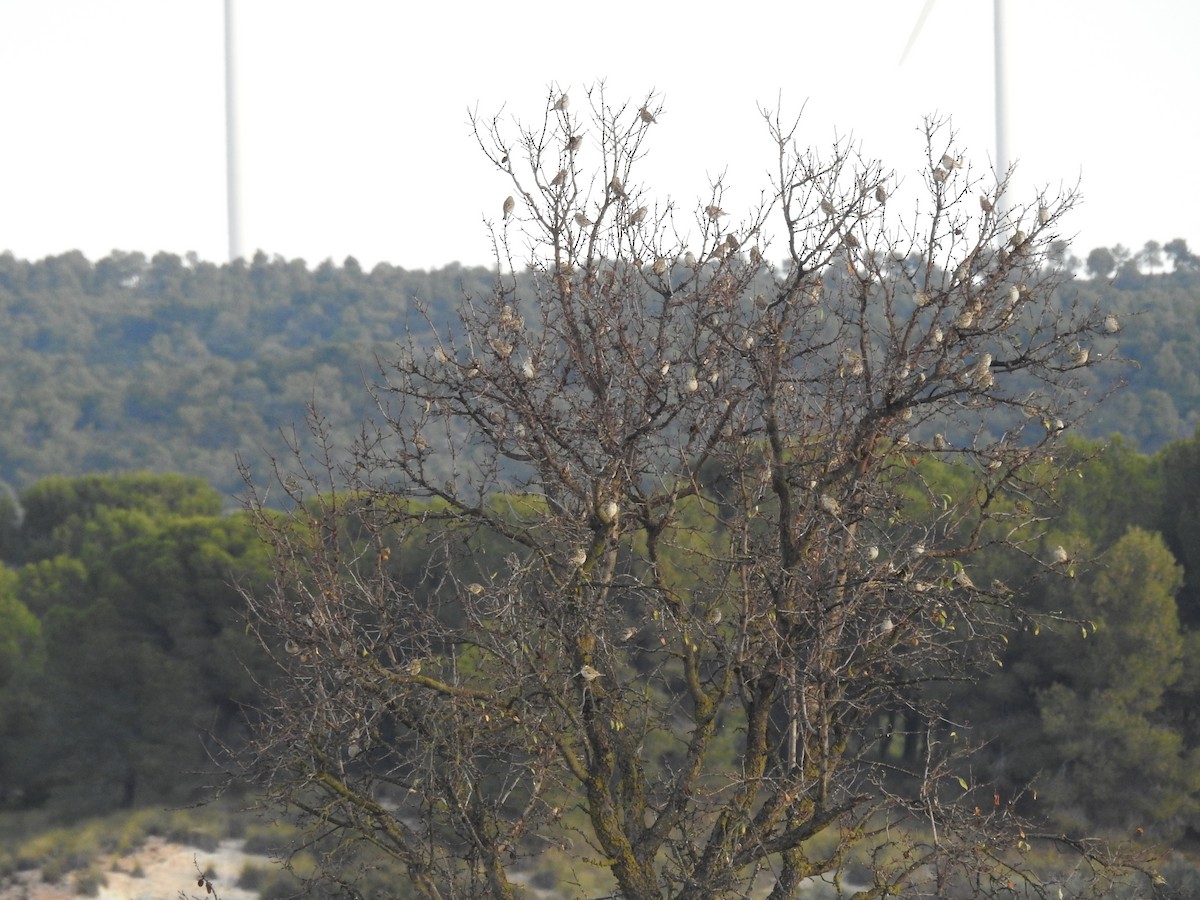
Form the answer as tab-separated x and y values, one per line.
563	102
647	116
509	205
715	212
588	674
608	512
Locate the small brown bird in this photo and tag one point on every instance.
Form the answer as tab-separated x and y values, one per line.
588	674
647	116
715	212
637	216
1043	215
509	205
574	142
617	186
829	505
827	207
608	512
880	193
985	204
949	162
563	102
560	179
581	220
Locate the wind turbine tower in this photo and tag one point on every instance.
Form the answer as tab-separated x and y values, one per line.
1001	89
1001	98
233	188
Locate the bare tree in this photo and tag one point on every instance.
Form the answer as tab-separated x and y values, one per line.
650	549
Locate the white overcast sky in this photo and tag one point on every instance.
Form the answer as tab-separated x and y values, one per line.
355	136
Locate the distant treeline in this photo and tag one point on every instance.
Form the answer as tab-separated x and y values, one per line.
174	365
171	364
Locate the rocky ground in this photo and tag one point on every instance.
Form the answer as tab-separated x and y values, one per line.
157	871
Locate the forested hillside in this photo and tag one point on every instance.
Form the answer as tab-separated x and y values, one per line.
176	365
121	622
130	387
169	365
123	641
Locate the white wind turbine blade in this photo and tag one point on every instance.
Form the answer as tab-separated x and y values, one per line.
1001	98
912	38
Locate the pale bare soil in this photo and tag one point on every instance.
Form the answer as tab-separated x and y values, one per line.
164	871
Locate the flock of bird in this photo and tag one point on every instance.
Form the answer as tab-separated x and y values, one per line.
574	142
828	504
